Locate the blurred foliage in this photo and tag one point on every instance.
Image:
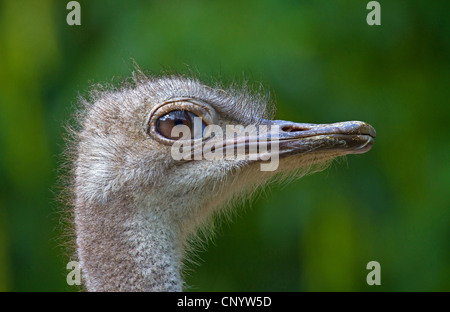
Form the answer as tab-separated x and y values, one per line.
322	63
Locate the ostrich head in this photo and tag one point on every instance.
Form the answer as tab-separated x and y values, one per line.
136	205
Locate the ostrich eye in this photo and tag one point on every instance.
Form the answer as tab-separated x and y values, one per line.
172	125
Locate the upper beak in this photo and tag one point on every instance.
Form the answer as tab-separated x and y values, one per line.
350	137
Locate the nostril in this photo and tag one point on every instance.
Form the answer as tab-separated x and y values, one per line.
293	129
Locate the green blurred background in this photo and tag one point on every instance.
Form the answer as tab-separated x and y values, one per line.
322	62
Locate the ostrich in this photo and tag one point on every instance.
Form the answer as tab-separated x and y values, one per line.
136	207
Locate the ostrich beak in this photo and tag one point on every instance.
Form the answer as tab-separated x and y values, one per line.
287	138
350	137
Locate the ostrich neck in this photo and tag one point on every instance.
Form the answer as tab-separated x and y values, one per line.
121	248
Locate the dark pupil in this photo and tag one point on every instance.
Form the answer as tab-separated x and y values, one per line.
178	122
176	118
